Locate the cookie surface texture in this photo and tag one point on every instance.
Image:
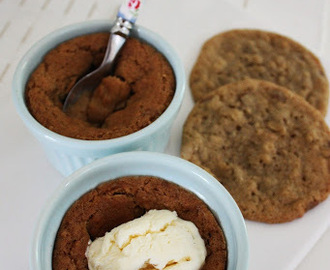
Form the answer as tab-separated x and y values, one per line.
266	145
239	54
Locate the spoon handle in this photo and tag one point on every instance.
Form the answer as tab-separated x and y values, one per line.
129	10
126	17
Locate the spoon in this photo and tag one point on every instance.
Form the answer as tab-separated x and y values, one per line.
126	18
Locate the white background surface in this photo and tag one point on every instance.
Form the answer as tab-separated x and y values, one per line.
26	177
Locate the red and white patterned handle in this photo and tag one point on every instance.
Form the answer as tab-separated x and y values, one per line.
129	10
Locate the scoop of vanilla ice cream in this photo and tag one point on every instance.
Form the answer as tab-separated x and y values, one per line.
159	239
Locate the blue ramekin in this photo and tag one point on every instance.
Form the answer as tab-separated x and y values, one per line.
170	168
68	154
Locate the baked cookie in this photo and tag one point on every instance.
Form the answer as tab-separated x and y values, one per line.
140	70
265	144
118	201
239	54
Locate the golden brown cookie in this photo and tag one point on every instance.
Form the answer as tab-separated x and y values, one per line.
239	54
265	144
